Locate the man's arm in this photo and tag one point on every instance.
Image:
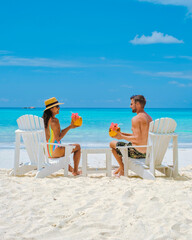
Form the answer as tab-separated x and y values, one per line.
131	137
121	136
127	134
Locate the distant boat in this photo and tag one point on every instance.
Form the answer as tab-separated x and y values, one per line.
28	107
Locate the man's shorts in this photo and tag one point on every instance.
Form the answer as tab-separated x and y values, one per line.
132	152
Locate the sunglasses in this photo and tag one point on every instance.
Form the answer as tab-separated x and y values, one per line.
57	106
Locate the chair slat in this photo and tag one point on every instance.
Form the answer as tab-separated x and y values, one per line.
151	126
35	146
175	125
166	125
27	122
32	122
19	123
41	123
172	125
37	122
23	123
156	124
160	128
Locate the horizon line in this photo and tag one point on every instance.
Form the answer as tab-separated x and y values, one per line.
28	108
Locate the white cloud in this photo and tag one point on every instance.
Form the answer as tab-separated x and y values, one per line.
107	100
113	90
113	100
184	3
4	52
51	63
180	84
156	37
4	100
186	57
169	57
183	57
126	86
36	62
174	75
177	75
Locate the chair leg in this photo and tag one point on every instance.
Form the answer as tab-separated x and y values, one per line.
152	164
108	163
126	167
175	156
125	161
67	160
84	163
17	152
24	169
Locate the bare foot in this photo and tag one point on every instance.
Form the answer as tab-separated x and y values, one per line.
116	171
77	173
70	169
121	173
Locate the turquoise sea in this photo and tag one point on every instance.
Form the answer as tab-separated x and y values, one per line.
96	122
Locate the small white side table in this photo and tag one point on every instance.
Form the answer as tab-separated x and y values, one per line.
107	169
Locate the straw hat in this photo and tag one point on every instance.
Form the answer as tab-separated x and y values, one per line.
51	102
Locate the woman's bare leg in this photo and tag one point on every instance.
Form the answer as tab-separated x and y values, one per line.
120	170
60	152
76	158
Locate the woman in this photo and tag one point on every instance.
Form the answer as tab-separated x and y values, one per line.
54	134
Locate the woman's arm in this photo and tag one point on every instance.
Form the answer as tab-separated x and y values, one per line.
59	134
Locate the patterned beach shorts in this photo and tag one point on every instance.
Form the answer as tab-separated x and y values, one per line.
132	152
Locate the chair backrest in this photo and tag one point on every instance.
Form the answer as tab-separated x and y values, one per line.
33	133
160	133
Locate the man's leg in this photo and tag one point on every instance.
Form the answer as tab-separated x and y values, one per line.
76	158
120	170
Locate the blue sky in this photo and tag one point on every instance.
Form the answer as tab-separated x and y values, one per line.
96	53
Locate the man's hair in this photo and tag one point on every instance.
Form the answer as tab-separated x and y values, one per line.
139	98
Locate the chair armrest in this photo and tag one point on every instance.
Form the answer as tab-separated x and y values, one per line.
163	134
134	146
61	145
28	131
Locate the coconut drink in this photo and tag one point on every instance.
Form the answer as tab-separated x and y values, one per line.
114	129
77	120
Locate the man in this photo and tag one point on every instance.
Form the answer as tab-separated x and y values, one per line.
140	128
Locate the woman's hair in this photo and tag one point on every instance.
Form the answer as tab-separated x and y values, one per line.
46	116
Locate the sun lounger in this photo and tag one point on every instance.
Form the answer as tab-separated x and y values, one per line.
161	131
32	131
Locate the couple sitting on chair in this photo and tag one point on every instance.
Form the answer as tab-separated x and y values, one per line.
140	127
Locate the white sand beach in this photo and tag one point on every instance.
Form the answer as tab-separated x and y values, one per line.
96	207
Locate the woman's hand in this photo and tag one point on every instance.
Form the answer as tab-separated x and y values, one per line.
72	125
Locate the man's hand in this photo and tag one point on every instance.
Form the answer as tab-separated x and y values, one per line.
118	136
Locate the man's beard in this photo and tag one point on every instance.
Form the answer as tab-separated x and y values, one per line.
134	110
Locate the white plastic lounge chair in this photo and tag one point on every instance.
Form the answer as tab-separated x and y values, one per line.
32	131
161	131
